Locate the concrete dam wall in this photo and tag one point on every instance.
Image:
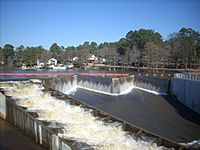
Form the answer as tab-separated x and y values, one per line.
105	85
27	120
48	137
109	85
187	92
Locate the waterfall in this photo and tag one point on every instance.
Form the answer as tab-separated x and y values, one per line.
95	87
155	85
111	87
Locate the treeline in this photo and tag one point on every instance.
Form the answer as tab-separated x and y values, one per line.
139	48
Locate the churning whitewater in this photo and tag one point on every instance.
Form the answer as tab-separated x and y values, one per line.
75	122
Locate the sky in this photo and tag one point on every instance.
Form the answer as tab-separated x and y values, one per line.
72	22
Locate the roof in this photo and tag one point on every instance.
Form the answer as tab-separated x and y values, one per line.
53	59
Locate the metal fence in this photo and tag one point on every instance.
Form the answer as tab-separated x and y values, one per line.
188	76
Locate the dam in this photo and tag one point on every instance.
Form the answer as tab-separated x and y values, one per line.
104	112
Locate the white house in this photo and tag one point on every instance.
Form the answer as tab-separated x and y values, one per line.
93	58
75	59
52	61
23	66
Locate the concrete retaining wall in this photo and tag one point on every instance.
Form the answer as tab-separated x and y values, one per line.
31	127
187	92
2	106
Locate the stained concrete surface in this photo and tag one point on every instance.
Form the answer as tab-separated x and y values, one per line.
12	138
162	115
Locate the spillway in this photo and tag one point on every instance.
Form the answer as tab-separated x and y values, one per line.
110	113
146	104
74	122
104	85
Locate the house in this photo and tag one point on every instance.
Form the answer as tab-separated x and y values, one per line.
75	59
52	61
93	58
23	66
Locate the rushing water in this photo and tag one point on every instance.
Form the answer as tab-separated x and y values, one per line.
69	85
75	122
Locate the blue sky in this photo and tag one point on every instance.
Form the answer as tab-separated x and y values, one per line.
71	22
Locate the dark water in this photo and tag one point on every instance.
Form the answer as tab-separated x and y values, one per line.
4	78
53	71
162	115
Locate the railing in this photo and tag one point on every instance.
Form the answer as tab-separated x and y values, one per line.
188	76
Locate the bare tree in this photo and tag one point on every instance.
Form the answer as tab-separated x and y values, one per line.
45	56
151	54
112	56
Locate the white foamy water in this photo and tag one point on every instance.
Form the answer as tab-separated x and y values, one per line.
77	123
70	87
192	145
150	91
124	88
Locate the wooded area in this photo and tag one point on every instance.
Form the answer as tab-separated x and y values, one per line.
139	48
